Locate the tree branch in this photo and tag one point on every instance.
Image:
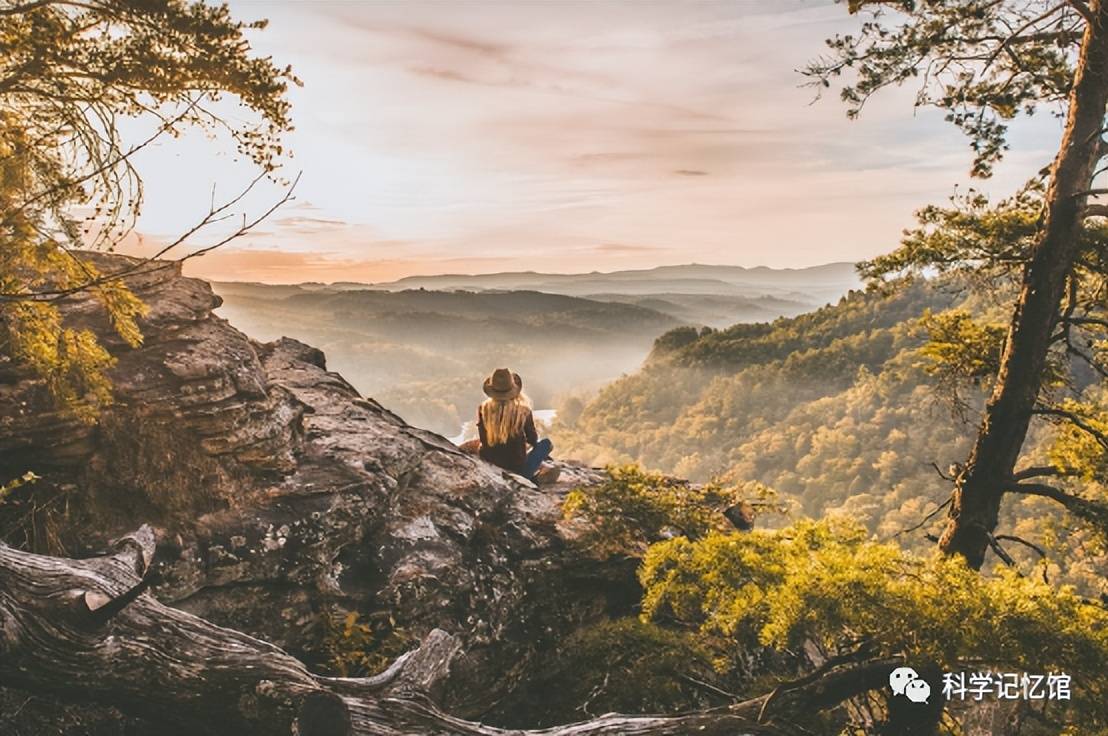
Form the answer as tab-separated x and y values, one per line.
1020	540
1080	507
926	518
1086	321
1082	7
150	264
24	8
1043	471
1077	421
103	167
1001	552
1006	43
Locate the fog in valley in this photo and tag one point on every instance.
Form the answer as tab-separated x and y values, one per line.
422	345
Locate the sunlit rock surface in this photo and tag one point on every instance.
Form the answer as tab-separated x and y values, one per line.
283	496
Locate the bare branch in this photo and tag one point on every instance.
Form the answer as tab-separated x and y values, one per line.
151	264
1082	508
1077	352
1020	540
105	166
1082	7
1077	421
1001	552
1043	471
24	8
926	518
1086	321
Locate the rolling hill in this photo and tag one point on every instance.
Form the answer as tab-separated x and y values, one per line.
424	353
422	344
832	409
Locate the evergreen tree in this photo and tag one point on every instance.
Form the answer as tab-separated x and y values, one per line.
984	62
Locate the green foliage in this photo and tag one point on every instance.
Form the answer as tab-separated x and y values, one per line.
675	339
633	507
847	424
347	644
982	241
1081	450
70	73
72	362
625	666
981	62
827	584
357	648
743	345
131	57
958	346
23	480
959	351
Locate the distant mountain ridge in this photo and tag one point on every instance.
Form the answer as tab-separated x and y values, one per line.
425	352
422	344
824	282
716	296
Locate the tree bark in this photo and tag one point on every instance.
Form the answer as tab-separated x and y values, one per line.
86	630
978	493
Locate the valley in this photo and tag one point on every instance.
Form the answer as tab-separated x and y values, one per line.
422	345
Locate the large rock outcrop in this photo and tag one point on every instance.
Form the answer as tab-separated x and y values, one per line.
282	499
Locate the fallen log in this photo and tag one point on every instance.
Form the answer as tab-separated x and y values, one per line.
87	631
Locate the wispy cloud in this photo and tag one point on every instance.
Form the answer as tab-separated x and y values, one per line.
625	248
571	136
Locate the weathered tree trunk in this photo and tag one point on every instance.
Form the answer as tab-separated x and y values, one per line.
86	630
988	472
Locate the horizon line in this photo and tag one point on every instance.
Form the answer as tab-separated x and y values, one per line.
413	277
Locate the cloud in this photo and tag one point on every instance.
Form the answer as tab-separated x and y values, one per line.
284	267
302	225
452	41
626	248
522	135
446	74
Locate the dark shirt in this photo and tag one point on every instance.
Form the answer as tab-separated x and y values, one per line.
512	454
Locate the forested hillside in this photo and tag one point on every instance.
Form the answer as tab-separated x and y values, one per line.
840	411
703	395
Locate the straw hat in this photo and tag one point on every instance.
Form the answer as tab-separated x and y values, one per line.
503	384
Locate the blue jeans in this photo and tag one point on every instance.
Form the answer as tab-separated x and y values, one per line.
539	452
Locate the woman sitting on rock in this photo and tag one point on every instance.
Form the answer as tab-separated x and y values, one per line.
505	426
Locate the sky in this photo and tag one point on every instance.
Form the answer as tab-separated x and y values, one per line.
474	137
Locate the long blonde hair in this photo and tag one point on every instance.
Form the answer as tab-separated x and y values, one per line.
504	419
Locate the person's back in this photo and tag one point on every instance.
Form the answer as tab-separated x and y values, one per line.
506	426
